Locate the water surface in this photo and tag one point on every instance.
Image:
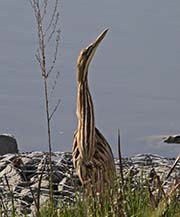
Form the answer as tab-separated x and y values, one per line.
134	77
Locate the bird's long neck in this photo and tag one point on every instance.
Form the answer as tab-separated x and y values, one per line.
86	125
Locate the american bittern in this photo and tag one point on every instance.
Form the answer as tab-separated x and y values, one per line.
92	155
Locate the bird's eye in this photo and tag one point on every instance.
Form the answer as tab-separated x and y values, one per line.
84	54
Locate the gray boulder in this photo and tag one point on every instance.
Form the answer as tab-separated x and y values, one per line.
8	144
172	139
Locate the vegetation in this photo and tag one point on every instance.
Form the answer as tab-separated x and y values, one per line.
125	202
47	30
134	198
131	196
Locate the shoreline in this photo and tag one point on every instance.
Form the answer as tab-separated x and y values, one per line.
23	171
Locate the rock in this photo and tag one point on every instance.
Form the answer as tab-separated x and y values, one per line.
10	176
26	196
172	139
8	144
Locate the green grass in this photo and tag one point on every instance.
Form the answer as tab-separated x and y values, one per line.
134	198
123	201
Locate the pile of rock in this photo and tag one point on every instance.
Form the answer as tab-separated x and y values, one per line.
23	174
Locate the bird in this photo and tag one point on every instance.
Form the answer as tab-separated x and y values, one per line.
92	156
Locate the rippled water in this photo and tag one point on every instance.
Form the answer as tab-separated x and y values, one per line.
134	77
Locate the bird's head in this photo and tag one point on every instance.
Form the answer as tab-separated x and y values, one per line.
86	56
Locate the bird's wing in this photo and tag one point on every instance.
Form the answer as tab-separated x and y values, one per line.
101	141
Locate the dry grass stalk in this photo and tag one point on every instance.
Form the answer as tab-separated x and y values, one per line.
120	157
46	29
173	167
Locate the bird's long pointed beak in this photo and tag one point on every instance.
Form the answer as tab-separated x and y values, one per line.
99	38
93	46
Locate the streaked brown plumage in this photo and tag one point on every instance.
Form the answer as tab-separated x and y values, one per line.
92	156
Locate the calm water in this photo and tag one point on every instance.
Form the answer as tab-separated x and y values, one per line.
134	78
